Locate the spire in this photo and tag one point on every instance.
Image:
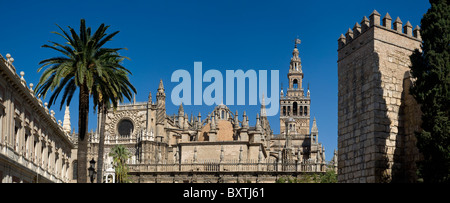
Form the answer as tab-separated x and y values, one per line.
314	127
308	93
160	95
236	120
263	107
258	123
213	124
160	109
244	121
66	123
181	110
161	86
295	60
150	97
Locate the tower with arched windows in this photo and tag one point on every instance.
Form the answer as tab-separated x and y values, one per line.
295	104
296	137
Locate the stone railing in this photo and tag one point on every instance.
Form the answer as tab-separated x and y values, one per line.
229	166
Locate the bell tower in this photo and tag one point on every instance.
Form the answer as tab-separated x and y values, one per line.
295	104
295	74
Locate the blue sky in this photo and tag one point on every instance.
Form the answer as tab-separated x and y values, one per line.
164	36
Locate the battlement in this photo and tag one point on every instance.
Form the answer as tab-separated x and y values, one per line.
374	21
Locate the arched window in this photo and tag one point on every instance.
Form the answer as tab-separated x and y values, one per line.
284	111
306	110
289	110
223	114
294	108
301	110
295	84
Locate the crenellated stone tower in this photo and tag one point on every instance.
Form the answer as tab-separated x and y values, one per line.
377	116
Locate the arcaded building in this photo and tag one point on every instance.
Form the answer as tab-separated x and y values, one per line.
34	147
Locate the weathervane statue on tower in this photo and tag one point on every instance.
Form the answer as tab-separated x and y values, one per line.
297	41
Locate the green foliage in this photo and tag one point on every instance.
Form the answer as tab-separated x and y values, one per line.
120	156
82	63
329	177
431	69
86	65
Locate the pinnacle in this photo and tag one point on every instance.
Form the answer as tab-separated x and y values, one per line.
387	16
408	24
375	12
314	127
181	108
365	19
398	20
161	86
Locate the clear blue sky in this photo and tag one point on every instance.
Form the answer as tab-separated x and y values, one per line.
164	36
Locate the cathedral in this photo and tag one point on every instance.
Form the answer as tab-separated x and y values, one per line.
222	140
164	146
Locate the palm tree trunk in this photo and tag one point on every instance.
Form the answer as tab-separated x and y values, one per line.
82	134
103	109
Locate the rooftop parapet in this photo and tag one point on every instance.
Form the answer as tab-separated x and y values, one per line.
374	21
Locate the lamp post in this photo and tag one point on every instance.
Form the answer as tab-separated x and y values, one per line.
91	170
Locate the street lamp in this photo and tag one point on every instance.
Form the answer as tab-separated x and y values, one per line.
91	170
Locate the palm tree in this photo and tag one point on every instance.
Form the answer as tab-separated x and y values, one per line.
120	156
110	88
78	68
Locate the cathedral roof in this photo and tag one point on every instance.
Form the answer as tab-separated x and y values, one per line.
224	131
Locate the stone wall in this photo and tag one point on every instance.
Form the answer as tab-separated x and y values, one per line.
373	104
